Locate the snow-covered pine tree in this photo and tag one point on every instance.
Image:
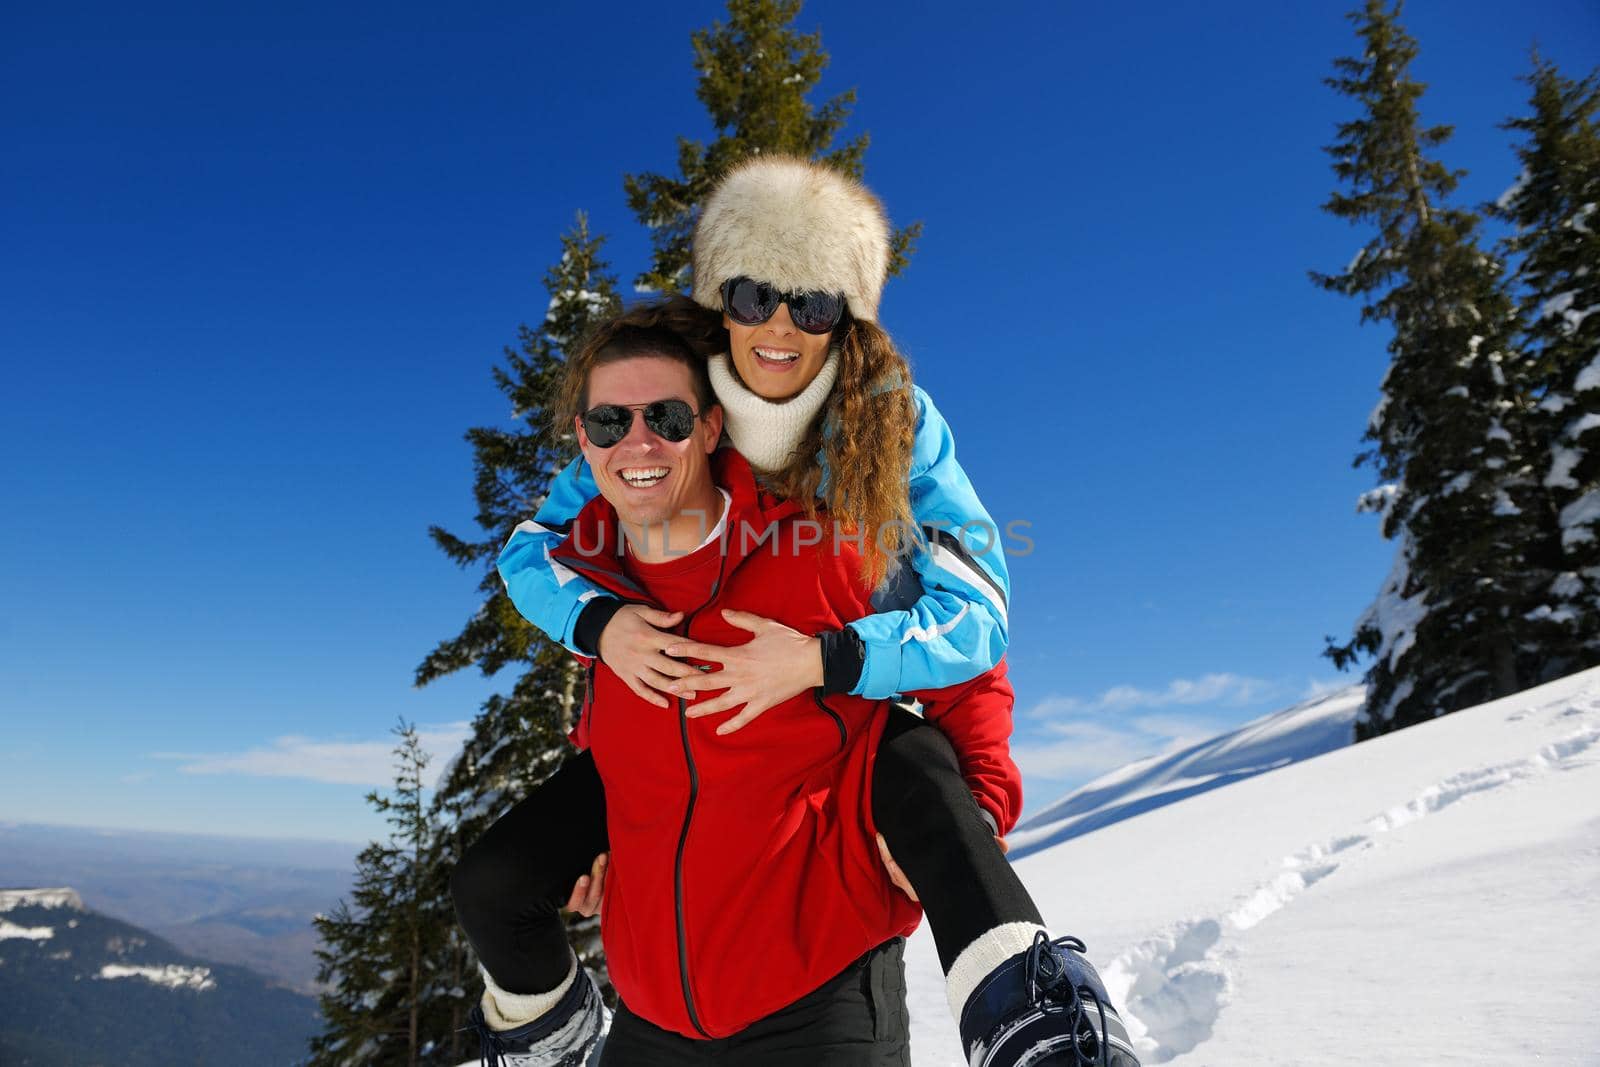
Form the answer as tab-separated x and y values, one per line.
1555	209
380	950
519	738
1455	622
756	71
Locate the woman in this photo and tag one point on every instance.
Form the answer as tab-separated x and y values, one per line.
794	256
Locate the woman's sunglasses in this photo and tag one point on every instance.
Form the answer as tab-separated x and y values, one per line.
750	303
671	420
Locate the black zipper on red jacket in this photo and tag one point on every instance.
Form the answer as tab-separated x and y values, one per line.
688	815
677	870
816	694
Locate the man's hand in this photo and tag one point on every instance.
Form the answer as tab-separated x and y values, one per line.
898	877
588	891
775	665
631	646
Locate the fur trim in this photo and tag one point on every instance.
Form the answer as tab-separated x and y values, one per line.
795	225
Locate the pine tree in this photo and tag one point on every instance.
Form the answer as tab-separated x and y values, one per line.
380	951
1451	437
755	73
518	739
513	468
1553	206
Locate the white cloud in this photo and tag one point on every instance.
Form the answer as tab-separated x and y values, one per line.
1063	741
369	763
1079	750
1226	689
1082	748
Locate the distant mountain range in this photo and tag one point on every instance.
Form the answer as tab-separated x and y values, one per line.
236	900
81	989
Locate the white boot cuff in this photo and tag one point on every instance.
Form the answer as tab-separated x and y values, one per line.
980	959
507	1011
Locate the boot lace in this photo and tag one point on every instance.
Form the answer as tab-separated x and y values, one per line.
489	1044
1049	987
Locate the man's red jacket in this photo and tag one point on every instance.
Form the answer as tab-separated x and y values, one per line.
744	869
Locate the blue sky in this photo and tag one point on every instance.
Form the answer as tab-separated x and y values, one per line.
256	262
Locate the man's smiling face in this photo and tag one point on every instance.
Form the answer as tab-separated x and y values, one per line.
647	478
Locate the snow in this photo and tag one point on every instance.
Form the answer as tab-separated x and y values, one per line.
1580	426
1424	897
171	975
1580	220
40	898
1560	306
1375	418
1578	518
1567	585
1307	729
1563	461
1514	191
1589	376
1378	500
10	930
1396	615
596	302
1557	403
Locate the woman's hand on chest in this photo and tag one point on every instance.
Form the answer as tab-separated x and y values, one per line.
775	665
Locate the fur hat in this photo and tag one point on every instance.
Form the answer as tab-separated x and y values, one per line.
795	225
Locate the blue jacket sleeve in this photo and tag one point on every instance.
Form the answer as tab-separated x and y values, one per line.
547	594
955	627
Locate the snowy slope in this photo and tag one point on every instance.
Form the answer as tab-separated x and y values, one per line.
1307	729
1428	897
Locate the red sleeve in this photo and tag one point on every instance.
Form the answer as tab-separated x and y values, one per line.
976	717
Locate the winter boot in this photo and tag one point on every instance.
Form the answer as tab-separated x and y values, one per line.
565	1035
1044	1007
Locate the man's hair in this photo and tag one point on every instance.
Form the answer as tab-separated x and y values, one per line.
676	329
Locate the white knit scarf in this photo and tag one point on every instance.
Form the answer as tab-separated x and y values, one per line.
766	432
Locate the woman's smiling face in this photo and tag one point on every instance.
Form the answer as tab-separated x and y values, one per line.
776	360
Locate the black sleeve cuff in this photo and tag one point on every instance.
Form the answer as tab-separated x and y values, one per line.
591	620
843	657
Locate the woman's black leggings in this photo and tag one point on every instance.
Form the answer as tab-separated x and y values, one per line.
511	884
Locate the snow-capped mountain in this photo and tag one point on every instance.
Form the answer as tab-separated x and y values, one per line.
1278	896
79	987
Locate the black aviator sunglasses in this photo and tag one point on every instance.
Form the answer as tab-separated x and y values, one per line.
671	420
750	303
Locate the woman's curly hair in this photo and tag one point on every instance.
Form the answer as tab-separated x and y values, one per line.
864	434
864	431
